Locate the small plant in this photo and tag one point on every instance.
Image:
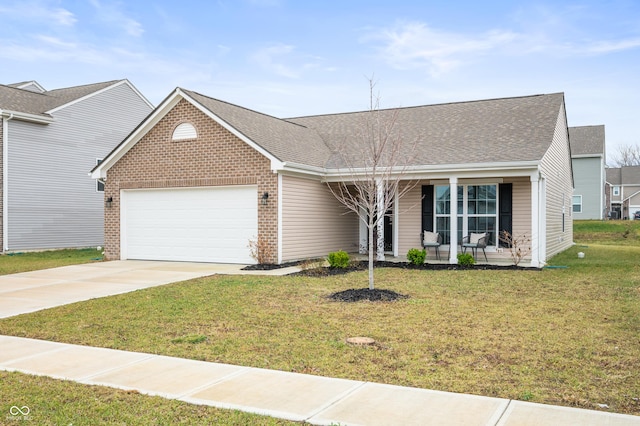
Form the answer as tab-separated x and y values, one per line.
519	246
465	259
260	250
338	259
416	256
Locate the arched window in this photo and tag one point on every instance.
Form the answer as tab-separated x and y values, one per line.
184	131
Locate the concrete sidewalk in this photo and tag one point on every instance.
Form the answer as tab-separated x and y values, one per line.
292	396
32	291
298	397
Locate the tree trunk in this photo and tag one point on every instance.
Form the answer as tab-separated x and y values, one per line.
371	251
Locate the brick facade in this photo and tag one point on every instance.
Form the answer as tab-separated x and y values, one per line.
215	158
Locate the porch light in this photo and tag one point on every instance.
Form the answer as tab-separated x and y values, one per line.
108	201
264	198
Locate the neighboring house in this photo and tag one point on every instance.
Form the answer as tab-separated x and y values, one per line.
588	162
201	177
623	191
50	139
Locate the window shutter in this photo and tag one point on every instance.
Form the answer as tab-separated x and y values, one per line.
506	210
427	208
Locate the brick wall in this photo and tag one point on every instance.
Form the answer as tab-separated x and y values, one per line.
216	157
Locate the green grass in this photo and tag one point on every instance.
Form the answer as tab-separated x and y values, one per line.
31	261
59	402
612	232
566	336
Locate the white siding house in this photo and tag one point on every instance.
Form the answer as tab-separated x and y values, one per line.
50	141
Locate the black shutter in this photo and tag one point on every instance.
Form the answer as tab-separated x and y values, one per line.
505	210
427	208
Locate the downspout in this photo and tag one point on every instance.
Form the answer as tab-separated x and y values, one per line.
5	181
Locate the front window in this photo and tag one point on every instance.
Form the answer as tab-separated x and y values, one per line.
477	211
616	191
577	204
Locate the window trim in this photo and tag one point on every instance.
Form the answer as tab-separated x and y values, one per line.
574	204
464	214
98	182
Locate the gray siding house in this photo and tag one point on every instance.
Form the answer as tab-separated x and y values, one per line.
50	140
482	166
588	161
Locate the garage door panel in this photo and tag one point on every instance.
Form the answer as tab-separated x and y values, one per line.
190	224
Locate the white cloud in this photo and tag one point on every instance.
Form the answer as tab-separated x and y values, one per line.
415	45
270	59
36	12
603	47
111	13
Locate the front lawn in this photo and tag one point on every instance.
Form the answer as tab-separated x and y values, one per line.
46	401
566	336
30	261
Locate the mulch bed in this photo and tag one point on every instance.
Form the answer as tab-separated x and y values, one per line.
359	294
363	265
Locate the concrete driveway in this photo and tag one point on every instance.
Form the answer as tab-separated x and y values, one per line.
47	288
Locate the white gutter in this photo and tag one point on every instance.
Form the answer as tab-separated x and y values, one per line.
33	118
5	178
411	172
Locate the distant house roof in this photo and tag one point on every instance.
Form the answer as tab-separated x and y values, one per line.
627	175
18	100
614	175
630	175
587	140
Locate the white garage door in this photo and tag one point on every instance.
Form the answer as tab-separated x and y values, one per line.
189	224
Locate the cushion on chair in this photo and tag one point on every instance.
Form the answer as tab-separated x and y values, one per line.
474	238
430	237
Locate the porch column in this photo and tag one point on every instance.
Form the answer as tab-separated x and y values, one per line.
380	220
453	220
535	219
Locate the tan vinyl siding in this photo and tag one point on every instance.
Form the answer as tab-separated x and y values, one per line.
313	221
410	220
556	169
521	210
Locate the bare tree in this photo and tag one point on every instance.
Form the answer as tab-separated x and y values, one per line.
374	164
627	155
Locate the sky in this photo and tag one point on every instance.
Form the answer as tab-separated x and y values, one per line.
291	58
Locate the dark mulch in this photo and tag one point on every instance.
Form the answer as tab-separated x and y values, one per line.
269	266
363	265
359	294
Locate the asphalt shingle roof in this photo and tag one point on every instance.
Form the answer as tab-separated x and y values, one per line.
587	140
630	175
20	100
487	131
614	175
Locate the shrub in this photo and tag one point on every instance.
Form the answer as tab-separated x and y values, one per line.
465	259
519	247
260	250
416	256
338	259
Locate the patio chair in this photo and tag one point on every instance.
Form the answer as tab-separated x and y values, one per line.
432	240
474	242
